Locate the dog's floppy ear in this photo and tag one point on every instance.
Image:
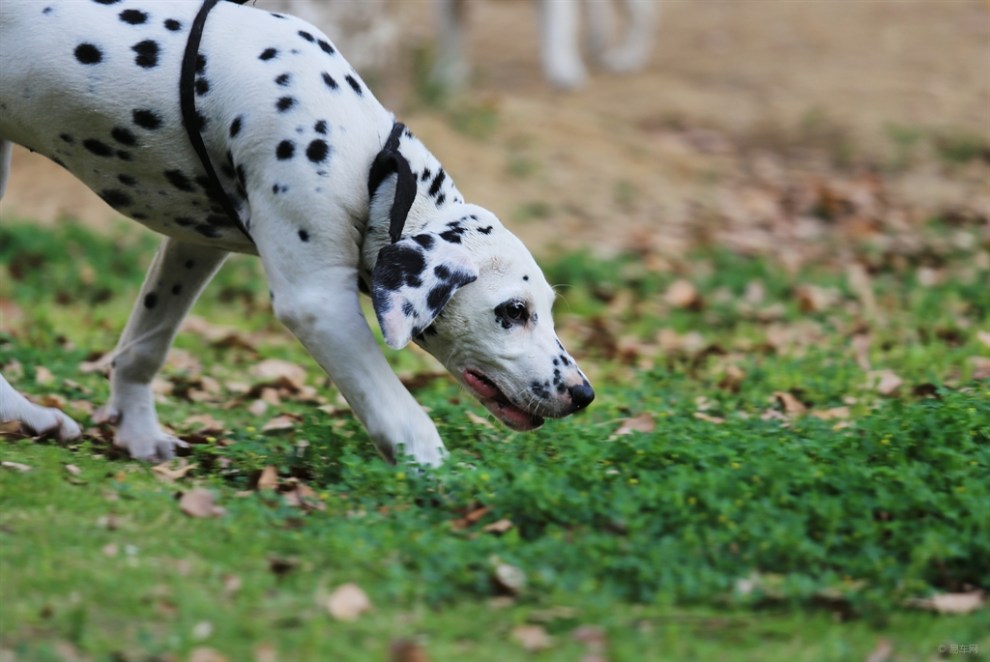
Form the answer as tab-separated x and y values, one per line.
390	161
413	280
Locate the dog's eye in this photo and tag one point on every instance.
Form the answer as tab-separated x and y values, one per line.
512	312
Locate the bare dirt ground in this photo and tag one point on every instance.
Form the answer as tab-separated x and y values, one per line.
741	97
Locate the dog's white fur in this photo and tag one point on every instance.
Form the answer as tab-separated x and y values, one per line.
76	83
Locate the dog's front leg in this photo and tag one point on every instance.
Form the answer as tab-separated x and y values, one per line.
177	275
320	305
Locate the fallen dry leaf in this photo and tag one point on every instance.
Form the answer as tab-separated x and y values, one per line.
509	578
407	650
833	413
951	603
199	502
980	366
499	526
300	495
203	424
73	470
15	466
268	480
265	652
789	403
984	337
641	423
231	585
478	420
348	602
884	382
173	470
469	518
882	652
280	423
702	416
533	638
683	294
43	375
258	407
278	369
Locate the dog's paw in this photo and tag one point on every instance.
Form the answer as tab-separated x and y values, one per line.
142	439
50	422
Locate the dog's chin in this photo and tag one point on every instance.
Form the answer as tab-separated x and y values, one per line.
495	401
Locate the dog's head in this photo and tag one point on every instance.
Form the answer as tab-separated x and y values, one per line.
471	294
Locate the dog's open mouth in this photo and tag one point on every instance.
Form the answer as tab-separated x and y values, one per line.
498	403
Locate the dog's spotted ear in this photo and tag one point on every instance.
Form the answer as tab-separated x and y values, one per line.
390	161
413	280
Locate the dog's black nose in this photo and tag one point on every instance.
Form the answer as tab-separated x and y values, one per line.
581	395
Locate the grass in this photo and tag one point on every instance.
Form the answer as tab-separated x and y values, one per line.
736	525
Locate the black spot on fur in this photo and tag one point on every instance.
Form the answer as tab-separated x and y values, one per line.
124	155
283	79
177	288
126	180
524	277
172	25
326	47
133	16
426	175
150	300
96	147
235	126
356	86
488	230
400	265
66	138
123	136
441	272
146	119
303	235
88	54
330	82
106	2
452	236
424	240
179	180
321	127
202	86
189	264
307	36
317	151
147	53
284	103
285	150
116	198
47	10
268	54
437	182
440	199
200	63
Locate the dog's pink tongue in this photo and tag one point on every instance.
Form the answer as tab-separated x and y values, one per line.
482	387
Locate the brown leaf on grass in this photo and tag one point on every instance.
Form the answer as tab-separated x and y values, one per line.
533	638
15	466
984	338
268	480
981	367
861	350
498	526
231	585
815	299
299	495
831	414
642	423
110	522
281	423
43	375
203	424
173	470
789	403
199	502
732	378
257	407
702	416
683	294
508	578
478	420
407	650
13	430
277	370
99	363
265	652
884	382
951	603
594	640
348	602
469	518
73	470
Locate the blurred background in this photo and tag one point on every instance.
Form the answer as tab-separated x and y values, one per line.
757	124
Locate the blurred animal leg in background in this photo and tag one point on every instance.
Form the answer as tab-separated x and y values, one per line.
451	67
633	51
559	43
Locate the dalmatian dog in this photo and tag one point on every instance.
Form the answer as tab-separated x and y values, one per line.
560	31
283	152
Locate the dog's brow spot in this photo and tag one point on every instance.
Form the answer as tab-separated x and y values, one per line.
146	119
150	300
88	54
147	53
172	25
285	150
177	288
268	54
303	235
356	86
284	103
317	151
133	16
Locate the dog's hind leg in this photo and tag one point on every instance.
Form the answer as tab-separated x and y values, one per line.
39	420
177	275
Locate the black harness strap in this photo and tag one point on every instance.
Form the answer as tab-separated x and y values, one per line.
389	161
187	102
